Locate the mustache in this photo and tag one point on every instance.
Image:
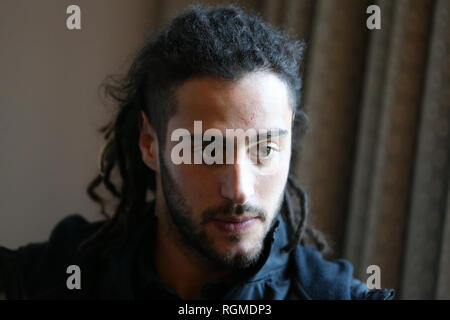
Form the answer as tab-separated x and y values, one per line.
233	209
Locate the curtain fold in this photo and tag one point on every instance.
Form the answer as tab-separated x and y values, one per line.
333	86
394	158
426	261
359	220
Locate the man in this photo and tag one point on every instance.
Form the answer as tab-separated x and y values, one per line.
205	128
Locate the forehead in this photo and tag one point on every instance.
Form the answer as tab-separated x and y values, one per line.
257	100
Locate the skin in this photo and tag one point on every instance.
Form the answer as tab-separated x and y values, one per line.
191	250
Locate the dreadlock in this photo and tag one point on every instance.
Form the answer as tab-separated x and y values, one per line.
224	42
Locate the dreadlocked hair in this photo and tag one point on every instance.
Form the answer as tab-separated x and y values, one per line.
224	42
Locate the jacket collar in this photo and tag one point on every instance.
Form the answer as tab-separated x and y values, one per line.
273	257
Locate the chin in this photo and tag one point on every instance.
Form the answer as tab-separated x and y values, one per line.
242	251
234	250
242	259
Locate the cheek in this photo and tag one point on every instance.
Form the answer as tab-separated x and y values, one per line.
196	184
270	186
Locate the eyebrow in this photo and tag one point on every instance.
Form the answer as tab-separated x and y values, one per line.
274	133
271	133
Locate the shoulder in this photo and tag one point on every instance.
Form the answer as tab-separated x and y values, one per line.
321	279
37	269
62	245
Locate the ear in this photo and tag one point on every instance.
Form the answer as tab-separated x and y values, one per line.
148	143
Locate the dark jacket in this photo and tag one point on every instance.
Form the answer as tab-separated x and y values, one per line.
38	271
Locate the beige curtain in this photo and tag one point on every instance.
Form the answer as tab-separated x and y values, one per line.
376	163
376	159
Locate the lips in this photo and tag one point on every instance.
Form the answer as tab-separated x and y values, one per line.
234	219
234	224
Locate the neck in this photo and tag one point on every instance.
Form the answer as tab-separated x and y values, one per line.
179	268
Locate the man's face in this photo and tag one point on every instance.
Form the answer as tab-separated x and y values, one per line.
224	211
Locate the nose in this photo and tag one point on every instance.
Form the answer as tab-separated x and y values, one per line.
237	183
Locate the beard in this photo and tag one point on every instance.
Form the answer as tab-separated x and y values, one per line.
194	236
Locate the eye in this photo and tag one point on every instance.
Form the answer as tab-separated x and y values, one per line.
263	152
